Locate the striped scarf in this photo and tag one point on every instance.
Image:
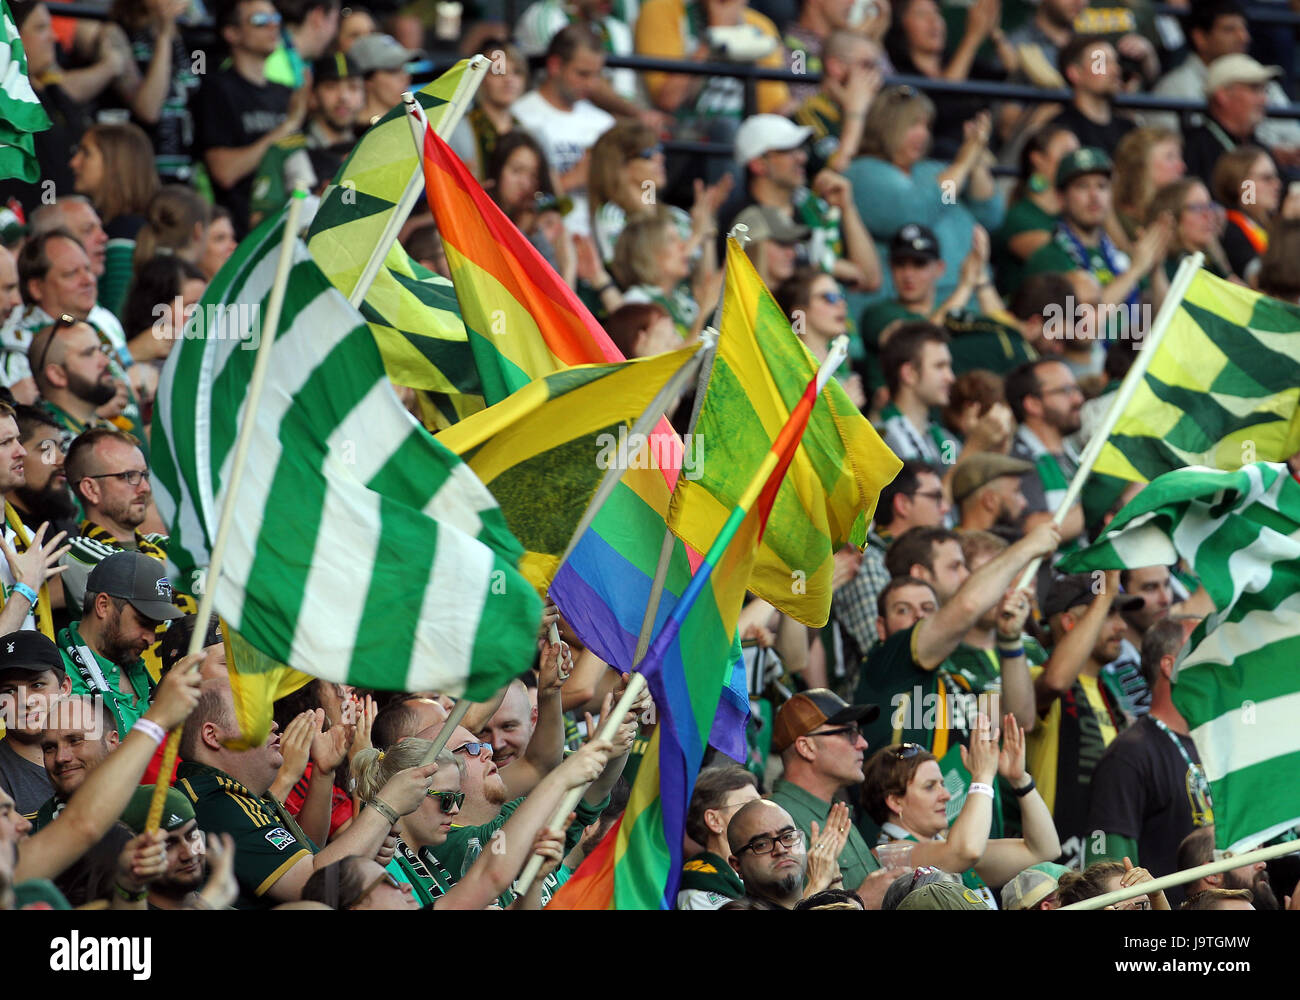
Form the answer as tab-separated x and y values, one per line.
44	617
89	529
1052	476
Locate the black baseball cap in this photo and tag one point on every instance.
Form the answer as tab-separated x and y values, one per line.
336	66
914	242
29	651
1068	592
138	579
175	642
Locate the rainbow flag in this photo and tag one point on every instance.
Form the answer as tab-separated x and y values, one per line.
695	634
521	319
758	376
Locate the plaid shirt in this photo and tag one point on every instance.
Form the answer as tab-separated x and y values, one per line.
854	604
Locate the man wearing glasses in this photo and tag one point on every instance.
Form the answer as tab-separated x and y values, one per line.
239	114
769	853
1048	404
822	750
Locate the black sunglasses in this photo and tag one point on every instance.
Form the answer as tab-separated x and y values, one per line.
62	323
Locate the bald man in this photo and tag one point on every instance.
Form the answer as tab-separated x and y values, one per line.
768	852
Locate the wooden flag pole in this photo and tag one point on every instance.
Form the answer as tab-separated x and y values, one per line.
1173	299
458	712
270	324
1187	875
459	104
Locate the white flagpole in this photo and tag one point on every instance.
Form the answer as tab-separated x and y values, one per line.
270	325
459	104
1173	299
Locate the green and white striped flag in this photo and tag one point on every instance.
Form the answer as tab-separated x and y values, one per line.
1239	686
21	113
362	550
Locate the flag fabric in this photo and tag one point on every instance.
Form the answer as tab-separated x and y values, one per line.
21	112
1239	686
759	374
686	665
362	551
543	450
411	311
522	320
257	682
1222	389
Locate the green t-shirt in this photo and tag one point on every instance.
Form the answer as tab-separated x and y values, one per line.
1022	217
983	342
856	860
268	841
90	673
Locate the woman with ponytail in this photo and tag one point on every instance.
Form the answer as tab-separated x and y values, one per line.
176	222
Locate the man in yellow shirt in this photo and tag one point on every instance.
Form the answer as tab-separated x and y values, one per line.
1078	712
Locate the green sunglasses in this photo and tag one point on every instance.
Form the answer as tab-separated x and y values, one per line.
446	800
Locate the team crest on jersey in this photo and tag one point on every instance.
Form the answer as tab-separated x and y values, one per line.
279	838
163	588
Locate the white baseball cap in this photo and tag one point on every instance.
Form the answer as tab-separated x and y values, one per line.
764	133
1237	67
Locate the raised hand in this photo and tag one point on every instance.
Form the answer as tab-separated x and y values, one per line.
177	694
143	860
40	561
222	888
981	759
330	747
1011	761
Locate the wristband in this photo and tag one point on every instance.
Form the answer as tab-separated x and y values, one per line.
27	592
1011	652
606	287
1022	792
151	729
384	809
979	788
128	895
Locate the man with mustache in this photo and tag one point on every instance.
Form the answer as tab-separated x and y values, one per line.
44	496
80	732
127	598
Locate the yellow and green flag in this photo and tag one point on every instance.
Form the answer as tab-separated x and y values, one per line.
759	374
1222	390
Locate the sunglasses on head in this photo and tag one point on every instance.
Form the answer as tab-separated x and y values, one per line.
905	750
62	323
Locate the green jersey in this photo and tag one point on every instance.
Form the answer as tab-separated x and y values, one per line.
126	690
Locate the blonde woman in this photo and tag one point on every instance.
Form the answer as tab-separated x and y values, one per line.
651	262
896	182
1145	161
427	827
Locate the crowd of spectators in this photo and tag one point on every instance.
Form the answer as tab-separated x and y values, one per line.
951	739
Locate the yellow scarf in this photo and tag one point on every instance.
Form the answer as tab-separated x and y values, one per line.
44	618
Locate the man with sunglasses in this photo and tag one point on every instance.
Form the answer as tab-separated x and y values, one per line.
238	113
822	750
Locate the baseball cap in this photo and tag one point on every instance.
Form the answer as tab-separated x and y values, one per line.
942	896
1237	67
375	52
914	242
336	66
768	223
1028	889
28	651
1088	160
177	810
816	707
761	134
175	642
136	578
981	468
1066	592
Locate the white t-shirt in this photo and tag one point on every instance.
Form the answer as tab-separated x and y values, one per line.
564	137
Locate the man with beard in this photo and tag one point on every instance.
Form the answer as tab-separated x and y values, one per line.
44	496
1079	241
986	489
80	732
1078	712
769	853
1150	790
313	156
1047	402
1197	849
187	864
1154	584
107	471
72	374
127	597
